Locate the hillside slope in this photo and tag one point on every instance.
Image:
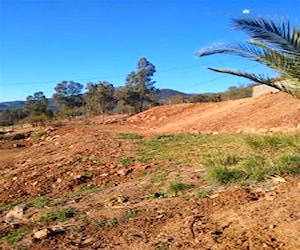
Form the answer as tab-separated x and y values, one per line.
272	112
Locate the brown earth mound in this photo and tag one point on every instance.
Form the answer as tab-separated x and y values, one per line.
88	169
277	112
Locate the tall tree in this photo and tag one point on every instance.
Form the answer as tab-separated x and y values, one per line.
139	87
100	98
68	94
36	104
276	45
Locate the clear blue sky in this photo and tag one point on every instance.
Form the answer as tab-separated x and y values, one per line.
46	41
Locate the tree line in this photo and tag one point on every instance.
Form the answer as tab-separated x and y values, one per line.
99	99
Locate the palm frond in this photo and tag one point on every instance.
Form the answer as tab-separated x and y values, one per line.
290	87
280	35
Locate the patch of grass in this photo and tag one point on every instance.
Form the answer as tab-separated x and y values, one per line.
98	223
39	201
239	158
289	164
7	205
271	142
59	215
176	187
130	213
111	222
127	160
89	188
202	193
104	222
162	246
158	177
14	236
36	136
131	136
226	175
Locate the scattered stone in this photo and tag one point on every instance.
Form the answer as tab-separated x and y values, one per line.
88	241
16	215
41	234
277	178
213	196
124	171
18	145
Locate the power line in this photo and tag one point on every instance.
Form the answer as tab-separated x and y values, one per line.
110	77
217	78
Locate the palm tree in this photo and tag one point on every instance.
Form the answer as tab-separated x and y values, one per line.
276	45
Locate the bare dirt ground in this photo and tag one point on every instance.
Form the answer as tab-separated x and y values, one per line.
274	112
81	165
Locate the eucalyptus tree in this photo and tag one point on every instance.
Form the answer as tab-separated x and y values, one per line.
139	87
100	98
274	44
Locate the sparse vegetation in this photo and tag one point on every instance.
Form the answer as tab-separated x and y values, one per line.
130	213
58	215
177	187
202	193
131	136
39	201
227	158
14	236
127	160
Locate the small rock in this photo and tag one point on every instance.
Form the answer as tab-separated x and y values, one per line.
16	215
88	241
213	196
57	229
124	171
41	234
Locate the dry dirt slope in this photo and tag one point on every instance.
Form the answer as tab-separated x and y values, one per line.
87	167
272	112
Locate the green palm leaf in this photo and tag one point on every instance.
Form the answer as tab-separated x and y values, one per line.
274	45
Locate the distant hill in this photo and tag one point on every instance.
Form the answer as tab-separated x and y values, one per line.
164	94
11	105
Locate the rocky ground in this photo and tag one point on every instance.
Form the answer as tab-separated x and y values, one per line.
78	185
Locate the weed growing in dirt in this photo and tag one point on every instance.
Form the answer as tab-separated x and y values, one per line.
8	205
177	187
112	222
89	188
59	215
130	213
131	136
36	136
105	222
158	177
202	193
39	201
14	236
127	160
